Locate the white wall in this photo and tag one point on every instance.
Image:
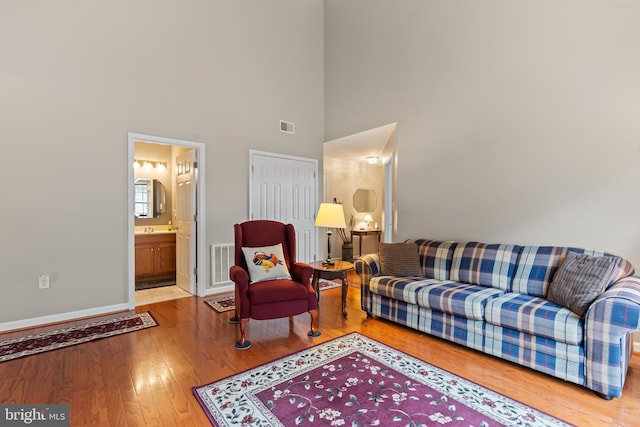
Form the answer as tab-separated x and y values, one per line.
518	120
75	77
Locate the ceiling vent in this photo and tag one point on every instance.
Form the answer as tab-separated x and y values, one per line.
287	127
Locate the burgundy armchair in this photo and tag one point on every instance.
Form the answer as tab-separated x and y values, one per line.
271	299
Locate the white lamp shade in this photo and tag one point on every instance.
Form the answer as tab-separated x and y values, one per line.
330	215
368	217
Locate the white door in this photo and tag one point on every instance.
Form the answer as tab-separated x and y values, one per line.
186	218
283	188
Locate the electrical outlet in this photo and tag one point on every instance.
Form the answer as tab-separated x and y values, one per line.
43	282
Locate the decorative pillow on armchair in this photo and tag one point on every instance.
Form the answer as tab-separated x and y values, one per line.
580	279
266	263
399	259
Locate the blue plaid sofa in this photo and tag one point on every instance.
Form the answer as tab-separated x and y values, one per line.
491	298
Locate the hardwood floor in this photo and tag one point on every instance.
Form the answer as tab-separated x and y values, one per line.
146	377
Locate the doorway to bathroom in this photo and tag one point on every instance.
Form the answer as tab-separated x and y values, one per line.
166	199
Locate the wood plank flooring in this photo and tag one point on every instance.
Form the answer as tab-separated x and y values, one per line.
145	378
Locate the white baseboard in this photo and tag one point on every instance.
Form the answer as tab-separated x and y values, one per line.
63	317
636	347
220	289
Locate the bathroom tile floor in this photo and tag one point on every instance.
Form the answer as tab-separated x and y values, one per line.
166	293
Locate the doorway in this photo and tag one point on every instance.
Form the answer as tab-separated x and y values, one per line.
365	161
190	251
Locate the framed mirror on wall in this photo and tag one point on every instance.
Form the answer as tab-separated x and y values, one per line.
150	198
364	200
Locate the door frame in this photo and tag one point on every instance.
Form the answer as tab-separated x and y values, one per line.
201	251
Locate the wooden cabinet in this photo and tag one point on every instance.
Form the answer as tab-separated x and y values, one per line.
155	256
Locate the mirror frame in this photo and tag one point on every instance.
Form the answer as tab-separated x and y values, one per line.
156	198
365	200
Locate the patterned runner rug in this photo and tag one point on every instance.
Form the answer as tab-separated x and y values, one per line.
32	344
357	381
226	302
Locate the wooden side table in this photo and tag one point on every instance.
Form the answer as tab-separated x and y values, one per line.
362	233
330	272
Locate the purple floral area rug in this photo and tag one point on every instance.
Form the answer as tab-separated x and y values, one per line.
357	381
25	346
227	302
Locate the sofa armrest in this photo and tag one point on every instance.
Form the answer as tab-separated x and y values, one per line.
609	320
367	266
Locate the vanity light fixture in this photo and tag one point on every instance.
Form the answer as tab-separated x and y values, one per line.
373	160
149	164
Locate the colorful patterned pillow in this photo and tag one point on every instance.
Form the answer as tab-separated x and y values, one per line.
581	279
266	263
399	259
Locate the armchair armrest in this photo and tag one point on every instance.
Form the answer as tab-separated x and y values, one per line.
301	272
608	322
367	266
241	278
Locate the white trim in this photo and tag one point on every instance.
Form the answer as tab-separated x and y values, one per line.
62	317
636	347
200	194
220	290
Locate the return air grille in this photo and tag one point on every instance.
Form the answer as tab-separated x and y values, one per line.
287	127
222	258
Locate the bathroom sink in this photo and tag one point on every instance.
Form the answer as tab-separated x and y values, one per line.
154	230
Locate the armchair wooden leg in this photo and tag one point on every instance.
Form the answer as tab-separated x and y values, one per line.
235	318
243	344
313	333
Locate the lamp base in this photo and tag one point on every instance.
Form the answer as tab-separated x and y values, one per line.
328	261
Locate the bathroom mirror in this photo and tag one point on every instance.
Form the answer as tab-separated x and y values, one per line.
364	200
150	198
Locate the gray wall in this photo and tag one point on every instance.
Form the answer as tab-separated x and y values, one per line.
75	77
518	121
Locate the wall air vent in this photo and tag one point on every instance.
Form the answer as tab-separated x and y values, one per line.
287	127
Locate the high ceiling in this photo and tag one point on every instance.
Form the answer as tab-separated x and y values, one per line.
361	145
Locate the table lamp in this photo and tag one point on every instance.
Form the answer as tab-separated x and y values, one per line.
368	218
330	215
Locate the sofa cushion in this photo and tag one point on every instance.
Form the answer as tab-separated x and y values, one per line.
485	264
538	264
552	357
456	298
435	257
580	279
535	316
400	288
399	259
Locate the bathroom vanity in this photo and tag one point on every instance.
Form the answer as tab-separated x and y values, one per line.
155	255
